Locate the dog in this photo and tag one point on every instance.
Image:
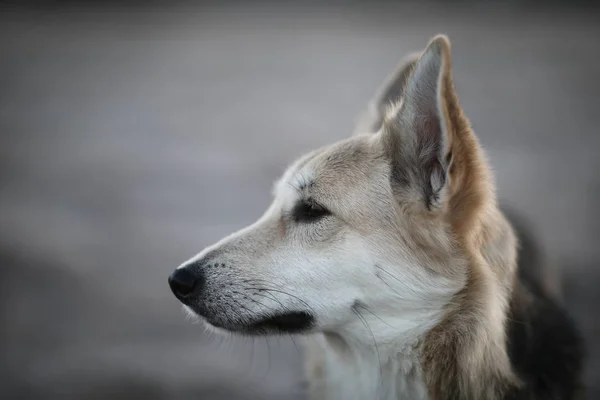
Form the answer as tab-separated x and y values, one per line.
389	251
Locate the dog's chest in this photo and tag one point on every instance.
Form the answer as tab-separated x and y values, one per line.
402	380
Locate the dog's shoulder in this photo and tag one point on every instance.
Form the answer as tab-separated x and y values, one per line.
544	345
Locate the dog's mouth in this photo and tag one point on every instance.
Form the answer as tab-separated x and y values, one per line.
288	322
278	323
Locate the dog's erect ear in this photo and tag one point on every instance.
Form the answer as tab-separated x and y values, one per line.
417	129
388	94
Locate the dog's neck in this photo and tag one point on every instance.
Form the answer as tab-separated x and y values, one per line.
465	355
369	359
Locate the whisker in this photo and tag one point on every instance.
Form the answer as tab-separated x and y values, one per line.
272	297
406	287
282	292
259	303
375	315
262	281
268	357
365	323
295	345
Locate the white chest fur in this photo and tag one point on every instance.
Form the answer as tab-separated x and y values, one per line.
339	372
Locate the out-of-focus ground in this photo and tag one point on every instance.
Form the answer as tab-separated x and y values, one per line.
130	139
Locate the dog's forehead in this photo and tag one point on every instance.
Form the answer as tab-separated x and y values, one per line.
338	165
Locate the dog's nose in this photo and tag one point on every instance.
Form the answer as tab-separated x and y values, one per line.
184	282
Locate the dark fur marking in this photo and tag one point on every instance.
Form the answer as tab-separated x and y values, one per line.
544	346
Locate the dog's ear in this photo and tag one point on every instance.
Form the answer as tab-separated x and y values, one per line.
389	93
417	130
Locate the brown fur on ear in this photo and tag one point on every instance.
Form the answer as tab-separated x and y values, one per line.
465	356
471	186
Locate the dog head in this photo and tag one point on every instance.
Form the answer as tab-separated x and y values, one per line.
367	230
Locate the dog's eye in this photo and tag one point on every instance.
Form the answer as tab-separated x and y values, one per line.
308	211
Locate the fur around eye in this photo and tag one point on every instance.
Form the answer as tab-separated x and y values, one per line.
309	211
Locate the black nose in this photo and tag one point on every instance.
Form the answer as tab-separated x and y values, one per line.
184	282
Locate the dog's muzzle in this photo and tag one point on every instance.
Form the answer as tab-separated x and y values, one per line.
189	285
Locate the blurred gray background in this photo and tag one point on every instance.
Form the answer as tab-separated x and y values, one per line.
131	136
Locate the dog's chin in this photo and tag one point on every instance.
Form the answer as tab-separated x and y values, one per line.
292	322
